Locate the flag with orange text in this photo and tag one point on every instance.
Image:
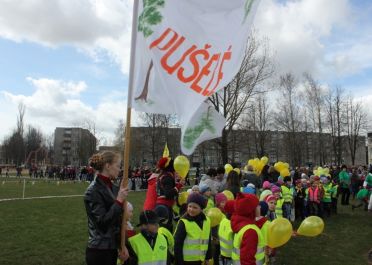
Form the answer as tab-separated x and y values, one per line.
185	52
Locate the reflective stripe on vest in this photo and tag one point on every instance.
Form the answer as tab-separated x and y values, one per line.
313	195
264	230
146	255
287	194
168	236
279	208
195	245
226	237
260	254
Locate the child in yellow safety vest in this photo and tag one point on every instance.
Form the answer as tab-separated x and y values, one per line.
192	238
287	194
279	201
249	243
207	193
263	223
225	233
162	213
220	200
327	197
271	202
148	246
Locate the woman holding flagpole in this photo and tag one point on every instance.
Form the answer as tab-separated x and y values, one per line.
104	207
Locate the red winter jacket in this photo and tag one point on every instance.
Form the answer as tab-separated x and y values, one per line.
248	248
261	222
151	195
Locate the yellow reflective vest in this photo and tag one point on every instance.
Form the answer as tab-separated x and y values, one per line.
145	254
210	205
260	254
226	237
169	237
196	242
287	194
279	208
264	230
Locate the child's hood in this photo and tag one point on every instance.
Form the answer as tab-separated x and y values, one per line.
238	222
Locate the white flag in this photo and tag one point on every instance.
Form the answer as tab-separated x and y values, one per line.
185	52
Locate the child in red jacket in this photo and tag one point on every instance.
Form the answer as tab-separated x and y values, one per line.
248	241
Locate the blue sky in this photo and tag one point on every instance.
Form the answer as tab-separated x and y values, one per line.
69	63
21	60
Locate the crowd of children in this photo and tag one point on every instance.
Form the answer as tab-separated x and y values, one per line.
241	236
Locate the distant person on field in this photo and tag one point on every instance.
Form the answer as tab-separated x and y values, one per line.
344	180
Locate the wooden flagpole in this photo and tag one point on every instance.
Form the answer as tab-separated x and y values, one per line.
124	182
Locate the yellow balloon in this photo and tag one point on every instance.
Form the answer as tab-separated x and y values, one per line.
215	215
311	226
250	162
182	197
181	166
279	166
237	170
284	172
228	168
265	159
279	232
260	165
229	195
286	165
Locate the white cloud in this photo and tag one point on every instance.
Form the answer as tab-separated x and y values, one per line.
93	26
296	30
299	32
56	103
351	57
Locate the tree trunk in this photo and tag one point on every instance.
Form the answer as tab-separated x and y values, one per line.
145	90
224	147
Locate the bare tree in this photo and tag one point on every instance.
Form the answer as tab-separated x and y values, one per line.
335	103
258	121
91	126
356	119
88	142
14	145
120	135
34	140
20	118
158	134
288	117
314	98
232	100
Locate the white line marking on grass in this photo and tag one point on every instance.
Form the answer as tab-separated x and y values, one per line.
42	197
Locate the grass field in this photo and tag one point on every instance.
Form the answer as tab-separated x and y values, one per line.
54	231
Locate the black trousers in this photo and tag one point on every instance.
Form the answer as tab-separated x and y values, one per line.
101	256
313	208
345	195
326	209
334	205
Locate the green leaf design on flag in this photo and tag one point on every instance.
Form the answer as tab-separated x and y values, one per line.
193	133
247	8
150	16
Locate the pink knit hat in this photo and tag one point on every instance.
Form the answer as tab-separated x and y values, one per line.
275	188
266	185
270	198
219	198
